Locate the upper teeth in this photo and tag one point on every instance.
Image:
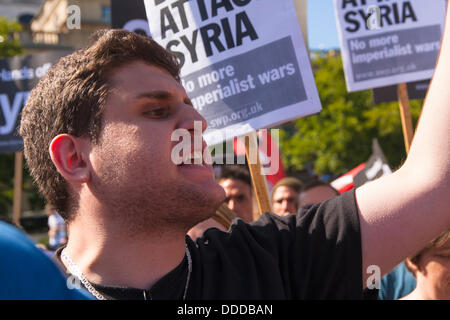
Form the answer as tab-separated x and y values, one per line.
197	156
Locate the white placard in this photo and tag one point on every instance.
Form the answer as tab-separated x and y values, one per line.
388	42
245	65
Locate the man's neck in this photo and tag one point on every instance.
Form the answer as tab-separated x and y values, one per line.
108	256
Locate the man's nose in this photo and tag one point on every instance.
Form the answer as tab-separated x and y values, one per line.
191	119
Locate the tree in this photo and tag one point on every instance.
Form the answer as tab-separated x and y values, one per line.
9	44
340	137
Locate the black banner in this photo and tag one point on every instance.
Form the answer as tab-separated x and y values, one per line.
416	91
376	167
18	75
129	15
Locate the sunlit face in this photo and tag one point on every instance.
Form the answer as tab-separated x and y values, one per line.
433	274
238	198
133	172
284	201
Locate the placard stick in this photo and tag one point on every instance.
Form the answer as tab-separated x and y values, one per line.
405	114
17	202
258	180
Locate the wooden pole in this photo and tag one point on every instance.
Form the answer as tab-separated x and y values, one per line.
258	180
405	114
17	202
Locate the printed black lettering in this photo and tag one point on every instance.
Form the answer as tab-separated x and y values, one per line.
227	32
190	45
348	2
364	16
241	3
396	13
385	11
180	6
349	18
202	8
208	39
408	12
167	22
216	4
178	54
244	28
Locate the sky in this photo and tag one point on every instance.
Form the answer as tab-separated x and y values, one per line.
322	30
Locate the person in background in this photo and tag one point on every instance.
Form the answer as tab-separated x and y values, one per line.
315	192
57	230
431	268
285	196
236	181
396	284
26	273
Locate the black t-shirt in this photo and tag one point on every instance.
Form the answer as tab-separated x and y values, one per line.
315	254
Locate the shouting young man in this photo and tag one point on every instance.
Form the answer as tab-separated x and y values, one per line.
98	141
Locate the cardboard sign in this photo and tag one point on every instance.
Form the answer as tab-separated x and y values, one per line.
129	15
18	75
388	42
417	90
241	72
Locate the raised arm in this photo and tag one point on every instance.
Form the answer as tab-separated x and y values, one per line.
401	213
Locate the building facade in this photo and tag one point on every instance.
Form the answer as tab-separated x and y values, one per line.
65	24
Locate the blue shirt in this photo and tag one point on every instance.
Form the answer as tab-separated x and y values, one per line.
26	273
397	284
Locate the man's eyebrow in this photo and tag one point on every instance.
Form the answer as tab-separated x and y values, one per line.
156	94
160	95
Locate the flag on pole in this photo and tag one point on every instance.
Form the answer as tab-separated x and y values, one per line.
266	155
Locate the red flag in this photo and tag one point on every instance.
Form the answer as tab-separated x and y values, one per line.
265	154
345	182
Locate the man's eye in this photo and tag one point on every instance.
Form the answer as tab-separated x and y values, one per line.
157	113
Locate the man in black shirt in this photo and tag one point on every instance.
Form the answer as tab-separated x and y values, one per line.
98	135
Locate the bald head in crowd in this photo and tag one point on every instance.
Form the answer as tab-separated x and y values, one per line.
315	192
285	196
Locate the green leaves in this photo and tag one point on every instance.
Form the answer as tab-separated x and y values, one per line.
9	44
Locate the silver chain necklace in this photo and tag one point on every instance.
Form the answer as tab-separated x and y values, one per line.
73	268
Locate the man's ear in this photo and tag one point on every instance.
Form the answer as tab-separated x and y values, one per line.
411	266
70	156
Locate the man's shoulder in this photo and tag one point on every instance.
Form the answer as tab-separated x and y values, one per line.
28	273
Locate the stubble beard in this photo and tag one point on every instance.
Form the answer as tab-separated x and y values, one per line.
158	209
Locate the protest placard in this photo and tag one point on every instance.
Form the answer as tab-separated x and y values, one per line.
417	90
18	75
245	65
129	15
388	42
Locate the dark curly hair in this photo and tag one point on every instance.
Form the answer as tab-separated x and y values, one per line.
70	99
